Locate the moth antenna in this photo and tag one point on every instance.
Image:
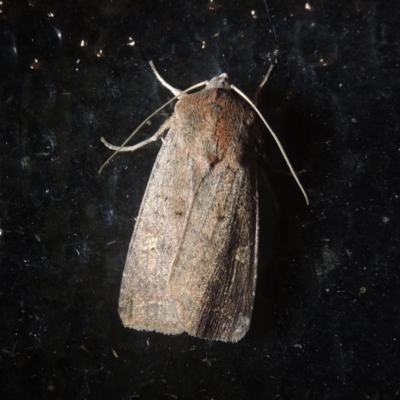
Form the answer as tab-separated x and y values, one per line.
273	134
174	91
147	119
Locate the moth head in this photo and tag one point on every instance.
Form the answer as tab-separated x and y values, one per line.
221	81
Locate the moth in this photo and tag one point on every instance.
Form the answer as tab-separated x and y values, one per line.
192	261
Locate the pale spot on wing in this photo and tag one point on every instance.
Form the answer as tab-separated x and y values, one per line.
243	323
242	254
151	244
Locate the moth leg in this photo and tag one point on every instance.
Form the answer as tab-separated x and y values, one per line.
174	91
165	126
254	96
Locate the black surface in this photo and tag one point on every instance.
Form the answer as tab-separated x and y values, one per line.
326	320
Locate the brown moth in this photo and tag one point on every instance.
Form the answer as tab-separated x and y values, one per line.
192	261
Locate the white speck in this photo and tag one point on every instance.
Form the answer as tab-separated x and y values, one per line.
58	32
35	63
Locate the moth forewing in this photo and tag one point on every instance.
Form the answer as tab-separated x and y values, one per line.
144	302
215	292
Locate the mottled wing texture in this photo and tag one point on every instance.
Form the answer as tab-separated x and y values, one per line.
191	265
144	302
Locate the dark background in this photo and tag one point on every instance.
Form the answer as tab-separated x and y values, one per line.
326	321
